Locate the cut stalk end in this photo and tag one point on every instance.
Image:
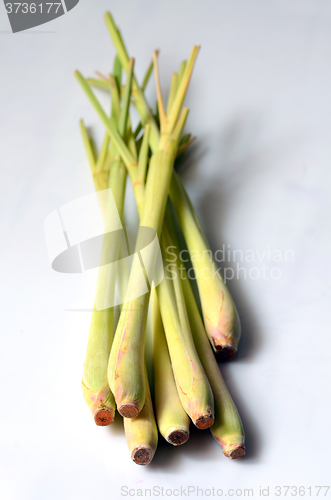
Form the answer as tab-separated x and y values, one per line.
128	410
142	455
103	417
232	446
236	452
204	422
177	437
225	352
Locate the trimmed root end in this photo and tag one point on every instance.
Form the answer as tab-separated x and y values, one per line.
237	452
178	437
204	422
103	417
128	410
142	455
225	352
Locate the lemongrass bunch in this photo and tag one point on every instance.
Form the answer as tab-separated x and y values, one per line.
188	383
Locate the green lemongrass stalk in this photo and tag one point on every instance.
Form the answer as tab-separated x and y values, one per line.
175	81
172	91
137	130
172	420
140	100
88	147
126	362
222	324
141	431
117	72
181	70
219	311
185	144
95	383
143	156
89	151
125	373
147	75
98	83
103	84
100	174
192	384
227	428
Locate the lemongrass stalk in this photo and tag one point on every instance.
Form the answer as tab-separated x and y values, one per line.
193	386
185	144
140	100
147	76
172	91
175	81
141	431
87	144
126	362
101	173
143	156
182	87
181	71
130	139
125	371
103	84
108	122
98	83
101	76
227	428
115	98
137	130
89	151
172	420
219	311
95	384
117	72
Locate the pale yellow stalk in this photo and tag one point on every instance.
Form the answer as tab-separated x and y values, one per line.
95	385
219	311
227	428
141	431
172	420
192	384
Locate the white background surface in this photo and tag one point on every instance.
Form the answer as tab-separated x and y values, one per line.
259	176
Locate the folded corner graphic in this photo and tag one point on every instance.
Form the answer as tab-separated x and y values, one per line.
70	4
80	242
23	16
